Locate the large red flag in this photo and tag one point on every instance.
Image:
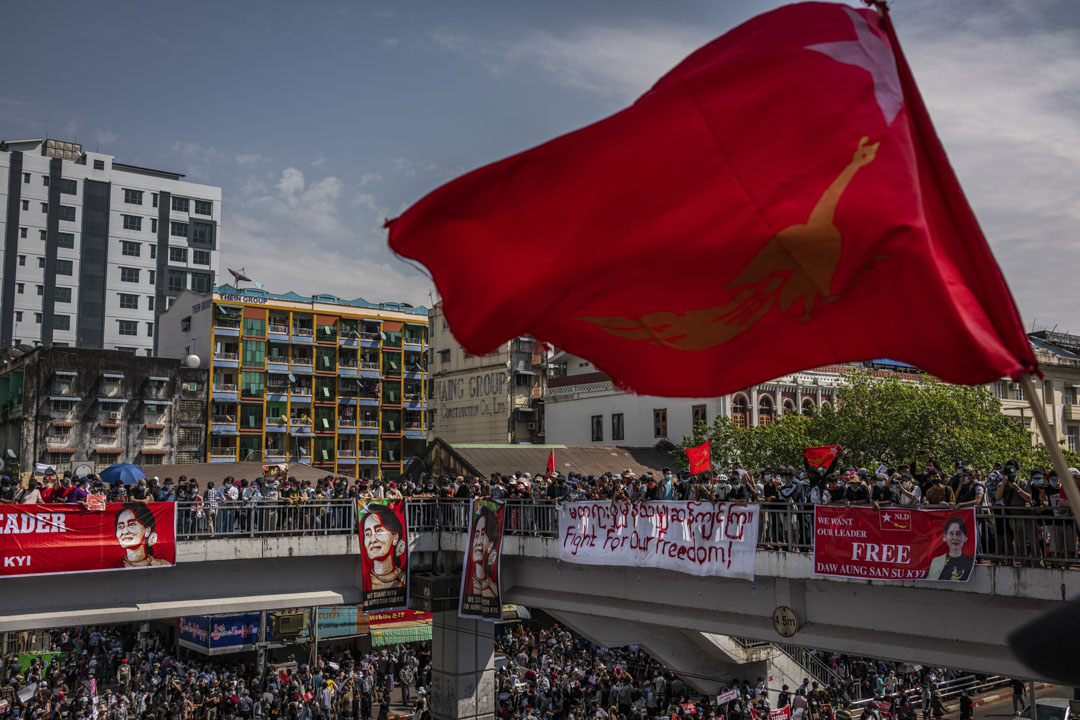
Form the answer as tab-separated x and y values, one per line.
778	201
700	458
551	463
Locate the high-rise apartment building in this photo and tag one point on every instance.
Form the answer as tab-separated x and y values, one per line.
338	384
93	250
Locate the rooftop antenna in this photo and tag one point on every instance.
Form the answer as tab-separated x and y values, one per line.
239	276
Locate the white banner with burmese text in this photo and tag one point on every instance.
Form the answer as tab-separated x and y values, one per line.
695	538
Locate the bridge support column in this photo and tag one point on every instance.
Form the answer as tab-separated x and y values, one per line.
463	668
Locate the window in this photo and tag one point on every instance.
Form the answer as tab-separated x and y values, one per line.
37	318
41	262
65	240
444	356
178	229
45	181
22	233
204	207
26	178
129	274
251	384
1068	395
178	255
18	316
153	251
63	295
132	222
67	212
659	421
128	327
61	322
69	186
99	164
180	204
255	327
177	281
19	287
740	412
150	305
65	267
129	302
44	207
200	257
40	290
1019	391
25	205
202	233
133	197
254	353
698	415
617	426
1070	434
42	235
149	329
131	249
22	261
153	199
597	428
153	225
153	277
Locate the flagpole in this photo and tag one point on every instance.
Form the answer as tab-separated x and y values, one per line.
1072	492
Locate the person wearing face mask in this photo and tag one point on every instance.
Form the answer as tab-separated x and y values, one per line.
971	493
667	487
882	494
910	494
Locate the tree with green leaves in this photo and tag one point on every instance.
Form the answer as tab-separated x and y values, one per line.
881	420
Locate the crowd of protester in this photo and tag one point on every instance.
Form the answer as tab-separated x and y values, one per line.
1023	517
542	673
115	673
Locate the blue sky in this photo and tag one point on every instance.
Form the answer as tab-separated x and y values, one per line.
318	120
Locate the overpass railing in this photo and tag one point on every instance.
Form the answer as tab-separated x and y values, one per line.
1005	535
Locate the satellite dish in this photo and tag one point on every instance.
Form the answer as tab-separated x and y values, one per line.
292	378
192	361
258	284
239	275
11	454
83	469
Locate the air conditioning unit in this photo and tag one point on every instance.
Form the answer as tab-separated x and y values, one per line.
532	426
114	416
192	387
287	624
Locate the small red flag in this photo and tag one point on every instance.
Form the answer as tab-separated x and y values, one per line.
794	159
551	462
700	458
823	456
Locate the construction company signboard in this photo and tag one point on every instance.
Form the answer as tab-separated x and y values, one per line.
472	405
689	537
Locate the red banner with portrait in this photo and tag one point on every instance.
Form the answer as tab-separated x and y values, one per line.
384	554
481	595
54	539
894	543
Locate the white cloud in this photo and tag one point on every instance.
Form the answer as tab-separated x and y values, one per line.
107	138
248	158
619	63
318	162
369	178
391	41
197	161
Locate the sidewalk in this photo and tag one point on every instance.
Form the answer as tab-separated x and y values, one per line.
994	696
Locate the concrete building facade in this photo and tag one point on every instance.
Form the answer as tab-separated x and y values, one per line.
66	407
493	398
338	384
1059	390
93	250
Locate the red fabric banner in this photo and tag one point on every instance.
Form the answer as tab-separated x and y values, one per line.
822	457
551	463
54	539
780	714
384	554
794	158
894	543
700	458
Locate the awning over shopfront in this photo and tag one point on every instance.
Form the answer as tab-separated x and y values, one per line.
513	613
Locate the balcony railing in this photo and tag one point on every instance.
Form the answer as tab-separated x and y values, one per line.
222	451
226	355
225	387
230	419
369	423
346	453
368	365
279	328
277	389
347	363
227	323
300	422
303	331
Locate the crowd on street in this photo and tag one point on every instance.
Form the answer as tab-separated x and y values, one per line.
114	673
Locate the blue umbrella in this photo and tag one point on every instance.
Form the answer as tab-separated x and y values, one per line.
126	473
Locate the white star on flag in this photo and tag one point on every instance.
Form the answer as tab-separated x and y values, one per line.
870	53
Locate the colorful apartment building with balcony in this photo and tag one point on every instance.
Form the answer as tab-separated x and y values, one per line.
337	384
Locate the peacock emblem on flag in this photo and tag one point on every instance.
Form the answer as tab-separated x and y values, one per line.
797	263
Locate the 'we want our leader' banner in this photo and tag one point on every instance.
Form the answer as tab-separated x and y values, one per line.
689	537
